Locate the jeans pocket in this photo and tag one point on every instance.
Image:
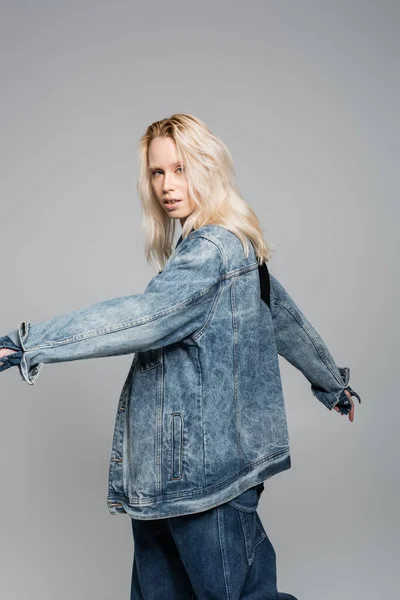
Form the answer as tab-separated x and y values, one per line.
246	505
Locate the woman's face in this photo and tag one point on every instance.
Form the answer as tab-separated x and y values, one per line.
168	179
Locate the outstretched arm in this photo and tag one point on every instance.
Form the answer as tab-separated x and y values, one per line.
174	305
301	345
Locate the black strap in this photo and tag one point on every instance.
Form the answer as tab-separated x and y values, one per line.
265	286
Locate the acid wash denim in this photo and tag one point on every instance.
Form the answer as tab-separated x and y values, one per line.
201	415
222	553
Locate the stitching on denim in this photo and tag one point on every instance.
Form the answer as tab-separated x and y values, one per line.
142	321
126	325
269	459
263	533
158	447
24	370
244	517
242	507
240	271
202	413
236	368
321	397
218	245
147	366
221	537
314	341
23	335
198	334
175	450
142	366
194	235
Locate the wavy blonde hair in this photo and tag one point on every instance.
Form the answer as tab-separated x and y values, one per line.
210	172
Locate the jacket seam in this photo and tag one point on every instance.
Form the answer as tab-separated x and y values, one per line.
127	325
313	341
202	412
235	368
269	458
216	243
208	320
228	274
241	270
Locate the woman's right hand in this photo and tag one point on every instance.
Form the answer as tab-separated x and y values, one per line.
5	352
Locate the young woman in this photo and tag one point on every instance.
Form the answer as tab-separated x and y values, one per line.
201	421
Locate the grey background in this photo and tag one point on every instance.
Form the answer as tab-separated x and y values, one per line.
306	96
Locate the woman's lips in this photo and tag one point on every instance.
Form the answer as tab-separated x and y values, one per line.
171	205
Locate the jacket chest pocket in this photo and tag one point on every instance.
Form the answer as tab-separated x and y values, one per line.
146	360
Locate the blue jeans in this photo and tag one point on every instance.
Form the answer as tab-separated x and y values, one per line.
222	553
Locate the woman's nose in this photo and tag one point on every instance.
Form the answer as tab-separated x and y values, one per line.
168	183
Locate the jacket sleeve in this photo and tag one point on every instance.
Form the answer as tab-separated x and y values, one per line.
301	345
174	305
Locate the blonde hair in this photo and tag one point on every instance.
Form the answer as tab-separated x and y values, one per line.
210	173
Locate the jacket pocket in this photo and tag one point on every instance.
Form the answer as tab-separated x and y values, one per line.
177	445
148	359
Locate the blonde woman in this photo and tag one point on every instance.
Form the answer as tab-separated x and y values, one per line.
201	422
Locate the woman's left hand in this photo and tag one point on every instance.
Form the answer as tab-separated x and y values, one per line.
351	413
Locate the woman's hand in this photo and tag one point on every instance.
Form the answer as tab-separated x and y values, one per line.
4	352
351	413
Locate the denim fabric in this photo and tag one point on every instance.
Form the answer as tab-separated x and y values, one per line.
223	552
201	415
11	360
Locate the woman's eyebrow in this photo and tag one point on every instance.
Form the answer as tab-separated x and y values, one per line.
172	165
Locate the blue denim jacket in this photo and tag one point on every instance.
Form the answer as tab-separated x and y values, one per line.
201	415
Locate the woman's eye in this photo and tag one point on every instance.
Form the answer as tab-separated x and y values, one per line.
159	170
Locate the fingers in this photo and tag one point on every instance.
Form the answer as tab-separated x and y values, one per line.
5	351
351	414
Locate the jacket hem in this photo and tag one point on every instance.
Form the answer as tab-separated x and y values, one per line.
175	507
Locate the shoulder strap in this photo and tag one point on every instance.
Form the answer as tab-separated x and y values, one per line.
265	287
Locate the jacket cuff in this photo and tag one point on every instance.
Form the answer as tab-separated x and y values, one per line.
330	399
344	403
29	372
6	342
